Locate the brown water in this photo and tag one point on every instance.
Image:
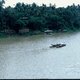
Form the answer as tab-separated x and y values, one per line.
31	57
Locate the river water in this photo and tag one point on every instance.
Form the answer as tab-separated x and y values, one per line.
31	58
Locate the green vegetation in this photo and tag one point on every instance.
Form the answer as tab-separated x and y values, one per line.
32	17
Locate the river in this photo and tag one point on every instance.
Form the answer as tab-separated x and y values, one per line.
31	58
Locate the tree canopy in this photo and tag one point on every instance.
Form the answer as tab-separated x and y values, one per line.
34	17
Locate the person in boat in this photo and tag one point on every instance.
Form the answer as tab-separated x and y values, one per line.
57	45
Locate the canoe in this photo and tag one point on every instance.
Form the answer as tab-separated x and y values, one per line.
57	45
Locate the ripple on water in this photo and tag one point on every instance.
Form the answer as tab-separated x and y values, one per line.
32	56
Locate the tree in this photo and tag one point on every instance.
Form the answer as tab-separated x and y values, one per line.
19	25
35	23
39	18
1	14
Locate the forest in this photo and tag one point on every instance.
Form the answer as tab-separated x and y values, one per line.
38	18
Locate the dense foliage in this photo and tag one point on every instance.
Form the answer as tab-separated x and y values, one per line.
39	18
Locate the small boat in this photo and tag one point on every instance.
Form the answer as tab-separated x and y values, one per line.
57	45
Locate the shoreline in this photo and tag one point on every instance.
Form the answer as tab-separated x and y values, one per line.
4	35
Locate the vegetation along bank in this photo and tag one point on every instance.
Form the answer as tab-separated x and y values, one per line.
29	18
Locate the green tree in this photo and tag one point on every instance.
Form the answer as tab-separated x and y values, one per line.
1	14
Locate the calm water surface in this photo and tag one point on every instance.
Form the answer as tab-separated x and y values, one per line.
31	57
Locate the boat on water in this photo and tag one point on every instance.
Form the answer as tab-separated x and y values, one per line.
57	45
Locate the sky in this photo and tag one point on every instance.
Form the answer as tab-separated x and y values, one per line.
59	3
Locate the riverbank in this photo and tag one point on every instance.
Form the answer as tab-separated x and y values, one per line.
4	35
